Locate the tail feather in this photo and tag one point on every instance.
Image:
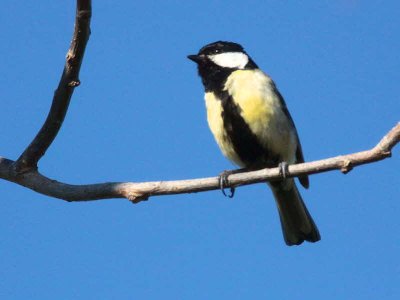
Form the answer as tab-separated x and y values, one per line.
297	223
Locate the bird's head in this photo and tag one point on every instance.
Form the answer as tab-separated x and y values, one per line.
223	55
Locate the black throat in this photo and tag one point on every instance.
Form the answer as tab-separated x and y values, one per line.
214	76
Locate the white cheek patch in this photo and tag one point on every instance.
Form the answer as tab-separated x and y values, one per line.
230	59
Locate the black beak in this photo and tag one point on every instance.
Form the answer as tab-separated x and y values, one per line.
197	58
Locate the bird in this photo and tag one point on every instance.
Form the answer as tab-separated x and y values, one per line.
253	128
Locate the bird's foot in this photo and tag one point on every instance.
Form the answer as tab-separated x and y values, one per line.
223	182
283	169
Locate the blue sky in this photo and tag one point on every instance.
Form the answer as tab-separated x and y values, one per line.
139	115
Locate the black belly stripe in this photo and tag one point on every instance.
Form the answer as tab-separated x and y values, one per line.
244	141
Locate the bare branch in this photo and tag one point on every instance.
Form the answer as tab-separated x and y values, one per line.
24	171
142	191
62	96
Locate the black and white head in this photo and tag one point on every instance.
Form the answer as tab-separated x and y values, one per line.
217	60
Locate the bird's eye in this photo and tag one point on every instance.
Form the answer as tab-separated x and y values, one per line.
217	51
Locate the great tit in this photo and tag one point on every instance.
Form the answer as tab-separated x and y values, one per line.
253	128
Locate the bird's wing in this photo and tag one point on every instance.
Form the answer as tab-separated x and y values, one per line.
299	152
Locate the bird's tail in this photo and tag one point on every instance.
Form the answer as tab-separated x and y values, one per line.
297	223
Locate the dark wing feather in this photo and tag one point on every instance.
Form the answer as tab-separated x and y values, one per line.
299	153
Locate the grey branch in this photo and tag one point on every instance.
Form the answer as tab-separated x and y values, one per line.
62	95
143	190
24	170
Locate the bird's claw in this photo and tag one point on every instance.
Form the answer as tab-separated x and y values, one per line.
223	182
284	169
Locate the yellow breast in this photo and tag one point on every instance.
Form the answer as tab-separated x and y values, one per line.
254	92
216	124
261	109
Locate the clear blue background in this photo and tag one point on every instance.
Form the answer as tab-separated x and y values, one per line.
139	116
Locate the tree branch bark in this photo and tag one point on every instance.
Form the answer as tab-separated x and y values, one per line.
62	95
24	171
143	190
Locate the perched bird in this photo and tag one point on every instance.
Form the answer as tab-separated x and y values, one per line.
253	128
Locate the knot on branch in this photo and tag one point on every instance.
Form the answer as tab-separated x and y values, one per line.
70	57
346	166
74	83
382	150
135	196
84	14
